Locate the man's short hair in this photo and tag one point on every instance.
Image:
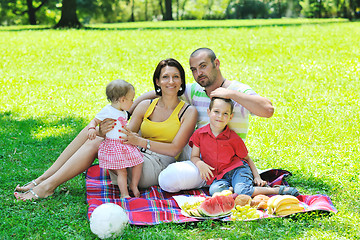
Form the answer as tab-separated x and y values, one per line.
210	53
227	100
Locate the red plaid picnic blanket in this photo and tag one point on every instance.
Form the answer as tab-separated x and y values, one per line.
156	206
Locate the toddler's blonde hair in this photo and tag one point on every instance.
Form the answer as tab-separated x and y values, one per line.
117	89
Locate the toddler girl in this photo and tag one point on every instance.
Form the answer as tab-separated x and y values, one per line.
113	154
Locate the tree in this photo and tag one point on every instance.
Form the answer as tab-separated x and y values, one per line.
30	11
69	17
168	10
132	17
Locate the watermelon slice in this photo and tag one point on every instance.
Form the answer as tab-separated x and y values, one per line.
227	203
216	206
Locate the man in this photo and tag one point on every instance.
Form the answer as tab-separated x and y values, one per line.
205	68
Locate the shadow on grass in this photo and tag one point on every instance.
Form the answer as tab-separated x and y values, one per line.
234	26
22	150
306	184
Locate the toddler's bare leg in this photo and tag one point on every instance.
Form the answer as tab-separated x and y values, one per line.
122	182
135	178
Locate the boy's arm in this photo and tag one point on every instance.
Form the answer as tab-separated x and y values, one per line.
205	169
92	128
257	179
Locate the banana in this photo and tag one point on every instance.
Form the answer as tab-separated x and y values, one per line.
289	209
193	212
285	199
283	205
270	203
293	206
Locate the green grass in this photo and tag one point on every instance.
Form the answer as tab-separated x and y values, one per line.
52	84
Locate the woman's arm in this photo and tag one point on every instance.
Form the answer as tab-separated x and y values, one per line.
171	149
138	116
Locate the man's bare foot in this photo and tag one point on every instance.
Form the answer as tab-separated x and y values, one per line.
26	187
126	196
135	190
33	194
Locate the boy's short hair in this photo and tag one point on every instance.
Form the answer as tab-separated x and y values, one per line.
227	100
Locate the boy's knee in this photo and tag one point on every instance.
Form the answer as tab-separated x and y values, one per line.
241	188
218	188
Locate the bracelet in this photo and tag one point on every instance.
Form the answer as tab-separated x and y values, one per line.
91	128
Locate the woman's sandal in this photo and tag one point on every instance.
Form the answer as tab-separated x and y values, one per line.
31	182
36	197
290	191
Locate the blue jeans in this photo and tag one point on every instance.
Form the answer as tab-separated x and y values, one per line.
241	179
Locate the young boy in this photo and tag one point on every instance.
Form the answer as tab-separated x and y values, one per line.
222	157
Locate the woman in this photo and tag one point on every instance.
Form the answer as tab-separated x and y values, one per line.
163	136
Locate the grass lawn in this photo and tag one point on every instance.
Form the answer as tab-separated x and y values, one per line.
52	85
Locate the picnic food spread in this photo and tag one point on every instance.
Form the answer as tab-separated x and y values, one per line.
242	207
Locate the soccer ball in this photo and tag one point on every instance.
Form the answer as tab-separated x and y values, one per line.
108	220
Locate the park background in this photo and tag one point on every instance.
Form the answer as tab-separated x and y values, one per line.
76	13
52	84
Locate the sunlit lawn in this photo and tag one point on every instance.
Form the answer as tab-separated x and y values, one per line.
52	84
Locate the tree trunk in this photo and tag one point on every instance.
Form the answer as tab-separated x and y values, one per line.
279	6
320	4
146	10
177	10
31	12
132	17
161	8
68	18
168	10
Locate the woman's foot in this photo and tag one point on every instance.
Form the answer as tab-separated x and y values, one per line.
26	187
126	196
33	194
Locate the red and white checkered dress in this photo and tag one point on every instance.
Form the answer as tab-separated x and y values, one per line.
113	154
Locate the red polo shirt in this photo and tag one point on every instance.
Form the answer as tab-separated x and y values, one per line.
224	152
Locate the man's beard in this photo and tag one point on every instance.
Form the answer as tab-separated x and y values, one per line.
206	82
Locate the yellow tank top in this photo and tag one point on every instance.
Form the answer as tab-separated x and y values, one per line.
161	131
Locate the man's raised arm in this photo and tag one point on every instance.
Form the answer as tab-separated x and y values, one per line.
260	106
